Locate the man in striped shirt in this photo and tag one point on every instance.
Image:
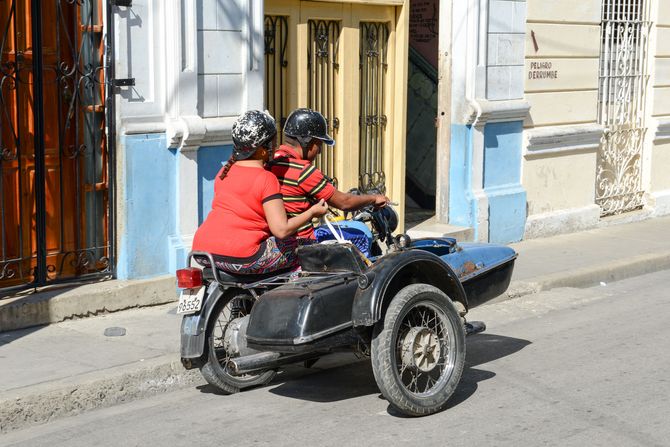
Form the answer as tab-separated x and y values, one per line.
302	183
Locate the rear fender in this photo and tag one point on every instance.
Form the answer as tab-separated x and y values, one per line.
395	271
194	326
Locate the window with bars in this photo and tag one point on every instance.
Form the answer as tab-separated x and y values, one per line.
622	104
323	72
372	124
276	68
624	34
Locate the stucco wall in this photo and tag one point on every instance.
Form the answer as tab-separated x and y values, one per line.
660	166
562	136
661	80
659	181
571	187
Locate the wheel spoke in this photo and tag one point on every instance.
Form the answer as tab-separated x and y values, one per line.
422	348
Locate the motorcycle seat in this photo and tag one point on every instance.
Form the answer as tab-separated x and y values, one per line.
227	277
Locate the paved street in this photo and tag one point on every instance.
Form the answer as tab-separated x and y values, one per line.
566	367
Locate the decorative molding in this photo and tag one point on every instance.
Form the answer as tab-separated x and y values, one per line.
142	125
184	133
662	129
192	132
496	111
563	140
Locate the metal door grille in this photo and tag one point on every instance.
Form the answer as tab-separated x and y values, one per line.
372	123
56	164
622	98
322	66
276	64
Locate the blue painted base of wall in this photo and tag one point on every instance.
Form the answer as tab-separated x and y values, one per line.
507	214
149	215
149	242
502	181
210	160
462	204
177	252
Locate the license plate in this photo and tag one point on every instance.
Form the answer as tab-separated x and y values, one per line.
190	300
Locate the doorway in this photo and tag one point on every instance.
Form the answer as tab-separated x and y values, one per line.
55	157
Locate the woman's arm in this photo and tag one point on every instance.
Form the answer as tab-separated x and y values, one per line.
280	226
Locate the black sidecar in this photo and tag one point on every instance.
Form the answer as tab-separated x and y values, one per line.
405	309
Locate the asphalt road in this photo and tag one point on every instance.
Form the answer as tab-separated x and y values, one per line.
568	367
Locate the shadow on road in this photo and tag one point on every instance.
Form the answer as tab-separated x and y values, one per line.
481	349
333	384
343	377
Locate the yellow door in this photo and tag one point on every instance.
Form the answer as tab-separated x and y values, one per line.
349	62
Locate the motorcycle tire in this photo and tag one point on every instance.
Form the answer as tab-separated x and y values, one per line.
215	371
418	350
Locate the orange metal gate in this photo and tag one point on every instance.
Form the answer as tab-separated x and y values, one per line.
55	194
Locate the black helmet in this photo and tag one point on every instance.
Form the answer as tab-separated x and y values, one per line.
252	130
306	124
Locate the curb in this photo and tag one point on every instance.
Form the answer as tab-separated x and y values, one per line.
59	304
593	275
46	402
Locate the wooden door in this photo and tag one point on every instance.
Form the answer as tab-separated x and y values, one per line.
72	155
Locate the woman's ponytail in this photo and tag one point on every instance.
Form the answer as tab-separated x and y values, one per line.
227	166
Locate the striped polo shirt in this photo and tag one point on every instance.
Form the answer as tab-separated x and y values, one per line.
302	184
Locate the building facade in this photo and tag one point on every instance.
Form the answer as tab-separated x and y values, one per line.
198	64
595	146
526	118
558	116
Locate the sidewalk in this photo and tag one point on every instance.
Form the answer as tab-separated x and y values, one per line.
66	368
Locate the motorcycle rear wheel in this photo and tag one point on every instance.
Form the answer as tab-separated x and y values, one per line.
418	350
215	371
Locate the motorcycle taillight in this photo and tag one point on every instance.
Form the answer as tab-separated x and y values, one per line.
189	278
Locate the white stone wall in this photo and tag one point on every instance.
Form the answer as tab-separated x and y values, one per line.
505	61
227	59
197	64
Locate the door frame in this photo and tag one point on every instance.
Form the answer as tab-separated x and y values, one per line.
350	14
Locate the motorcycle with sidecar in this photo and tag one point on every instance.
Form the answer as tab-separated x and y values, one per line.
401	302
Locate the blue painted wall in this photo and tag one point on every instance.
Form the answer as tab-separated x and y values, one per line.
210	160
149	218
502	181
462	207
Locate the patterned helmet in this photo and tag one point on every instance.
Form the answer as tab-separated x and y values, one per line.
252	130
306	124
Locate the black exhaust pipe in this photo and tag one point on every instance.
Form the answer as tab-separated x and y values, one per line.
266	360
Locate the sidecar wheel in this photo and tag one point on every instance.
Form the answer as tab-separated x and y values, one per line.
215	371
418	350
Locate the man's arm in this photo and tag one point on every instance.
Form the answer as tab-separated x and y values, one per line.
352	202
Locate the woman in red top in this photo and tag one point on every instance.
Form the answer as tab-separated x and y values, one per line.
247	231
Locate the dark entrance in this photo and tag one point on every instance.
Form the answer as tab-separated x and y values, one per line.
56	220
421	172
